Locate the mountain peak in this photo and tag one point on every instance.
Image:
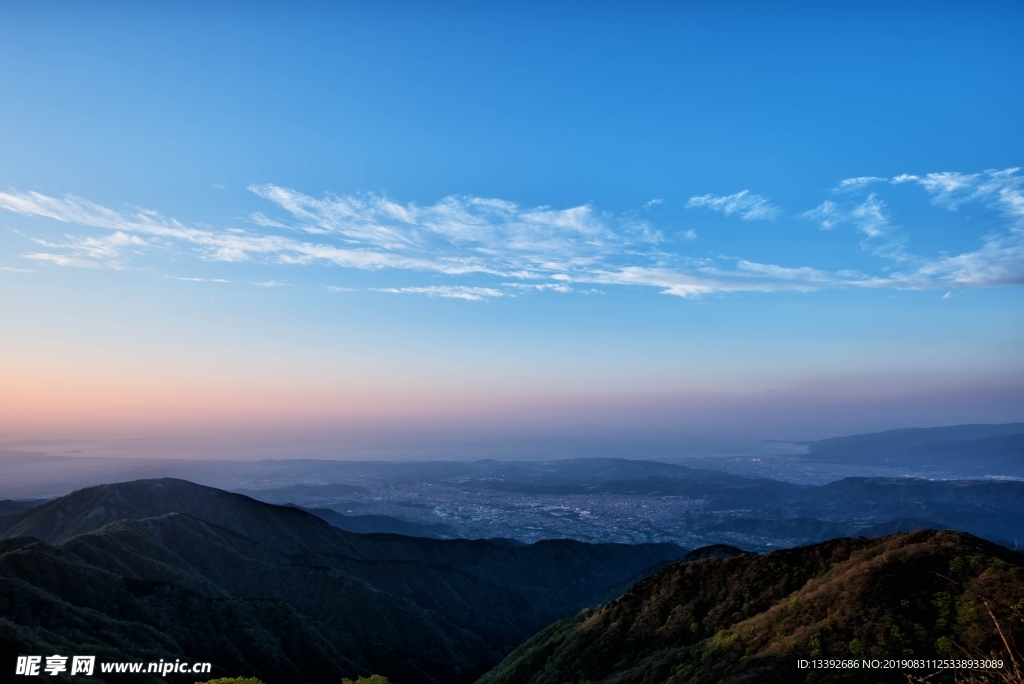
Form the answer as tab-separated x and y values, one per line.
288	530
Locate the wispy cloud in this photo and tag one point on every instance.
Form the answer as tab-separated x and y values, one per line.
538	287
1000	189
999	261
747	206
456	236
851	184
200	280
260	220
827	214
449	291
143	228
90	252
870	217
486	247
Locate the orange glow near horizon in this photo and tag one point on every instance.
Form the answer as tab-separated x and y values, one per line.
49	406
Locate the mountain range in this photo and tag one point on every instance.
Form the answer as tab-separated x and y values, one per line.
169	569
165	569
964	450
751	618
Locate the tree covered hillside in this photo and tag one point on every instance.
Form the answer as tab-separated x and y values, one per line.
165	569
749	618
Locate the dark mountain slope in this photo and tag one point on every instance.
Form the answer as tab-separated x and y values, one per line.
51	601
559	576
748	618
368	599
285	529
417	610
7	506
291	530
380	524
555	574
712	551
382	631
327	624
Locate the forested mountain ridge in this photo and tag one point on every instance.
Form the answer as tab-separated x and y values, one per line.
749	618
168	569
285	529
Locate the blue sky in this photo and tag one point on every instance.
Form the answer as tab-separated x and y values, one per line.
499	214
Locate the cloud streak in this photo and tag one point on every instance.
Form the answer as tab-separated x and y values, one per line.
487	248
859	183
448	291
743	204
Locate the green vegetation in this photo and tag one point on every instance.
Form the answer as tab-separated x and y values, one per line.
372	679
749	618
